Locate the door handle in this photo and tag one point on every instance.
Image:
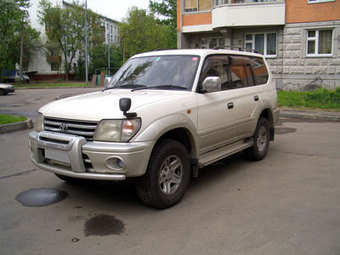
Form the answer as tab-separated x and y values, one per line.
256	98
230	105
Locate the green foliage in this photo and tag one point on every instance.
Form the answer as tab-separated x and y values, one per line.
13	27
166	9
321	98
141	32
7	119
99	58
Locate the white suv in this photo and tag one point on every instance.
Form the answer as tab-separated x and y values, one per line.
164	115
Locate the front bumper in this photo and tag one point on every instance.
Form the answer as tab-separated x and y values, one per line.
73	156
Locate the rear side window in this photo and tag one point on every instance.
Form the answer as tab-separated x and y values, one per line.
259	70
248	71
241	72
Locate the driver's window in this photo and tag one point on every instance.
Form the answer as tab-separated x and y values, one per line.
217	65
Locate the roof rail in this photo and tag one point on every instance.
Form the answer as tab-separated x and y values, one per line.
234	48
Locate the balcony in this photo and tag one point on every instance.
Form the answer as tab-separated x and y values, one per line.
53	59
246	13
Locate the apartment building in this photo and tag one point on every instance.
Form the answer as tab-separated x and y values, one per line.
300	38
46	64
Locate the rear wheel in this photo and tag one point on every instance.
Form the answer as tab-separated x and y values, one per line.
167	176
2	92
261	141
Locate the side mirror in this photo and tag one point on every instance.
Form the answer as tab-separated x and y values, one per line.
125	104
211	84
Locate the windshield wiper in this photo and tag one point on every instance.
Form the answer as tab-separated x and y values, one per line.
161	87
126	86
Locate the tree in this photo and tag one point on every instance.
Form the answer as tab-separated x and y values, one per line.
65	30
141	32
13	28
99	58
166	9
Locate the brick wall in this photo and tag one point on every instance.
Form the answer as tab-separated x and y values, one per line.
302	11
197	19
179	15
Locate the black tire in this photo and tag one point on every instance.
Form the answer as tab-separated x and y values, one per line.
2	92
163	186
261	141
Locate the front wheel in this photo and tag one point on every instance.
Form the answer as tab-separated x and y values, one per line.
261	141
167	176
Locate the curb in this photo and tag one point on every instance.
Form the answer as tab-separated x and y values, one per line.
7	128
311	115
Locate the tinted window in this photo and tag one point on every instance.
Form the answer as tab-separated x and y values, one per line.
259	70
248	71
235	71
240	71
217	65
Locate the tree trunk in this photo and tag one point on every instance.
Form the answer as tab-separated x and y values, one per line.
66	67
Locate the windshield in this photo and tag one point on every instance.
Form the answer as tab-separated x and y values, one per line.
157	72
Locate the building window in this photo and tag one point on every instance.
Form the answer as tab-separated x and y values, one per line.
263	43
319	1
197	5
319	42
212	42
54	66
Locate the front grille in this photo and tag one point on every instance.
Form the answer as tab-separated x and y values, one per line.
74	127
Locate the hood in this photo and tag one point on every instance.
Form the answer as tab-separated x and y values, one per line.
105	105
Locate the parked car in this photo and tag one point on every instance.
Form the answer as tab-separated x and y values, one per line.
6	88
162	117
14	76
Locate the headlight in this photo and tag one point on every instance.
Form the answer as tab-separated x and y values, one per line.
117	130
39	123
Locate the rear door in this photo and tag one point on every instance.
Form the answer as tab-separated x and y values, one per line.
249	75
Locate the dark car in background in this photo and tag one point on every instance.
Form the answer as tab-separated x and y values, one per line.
14	76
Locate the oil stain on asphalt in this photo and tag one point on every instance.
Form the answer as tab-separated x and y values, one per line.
41	197
104	225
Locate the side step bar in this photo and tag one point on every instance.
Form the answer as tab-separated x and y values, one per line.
225	151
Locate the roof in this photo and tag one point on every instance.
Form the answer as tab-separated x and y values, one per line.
198	52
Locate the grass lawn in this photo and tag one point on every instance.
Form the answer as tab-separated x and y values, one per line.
322	99
6	119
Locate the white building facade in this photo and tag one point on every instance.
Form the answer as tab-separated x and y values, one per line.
48	65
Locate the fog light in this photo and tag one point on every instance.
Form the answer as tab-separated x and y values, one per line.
115	163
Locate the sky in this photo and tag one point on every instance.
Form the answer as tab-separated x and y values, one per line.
115	9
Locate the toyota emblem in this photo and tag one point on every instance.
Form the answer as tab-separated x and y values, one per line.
63	127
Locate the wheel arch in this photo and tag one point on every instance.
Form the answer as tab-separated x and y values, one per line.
267	113
177	127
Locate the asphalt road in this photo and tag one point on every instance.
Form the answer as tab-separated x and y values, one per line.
288	203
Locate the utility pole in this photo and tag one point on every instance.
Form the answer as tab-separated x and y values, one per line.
86	53
21	49
108	51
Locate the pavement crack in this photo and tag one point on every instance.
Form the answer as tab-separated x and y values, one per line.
18	174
